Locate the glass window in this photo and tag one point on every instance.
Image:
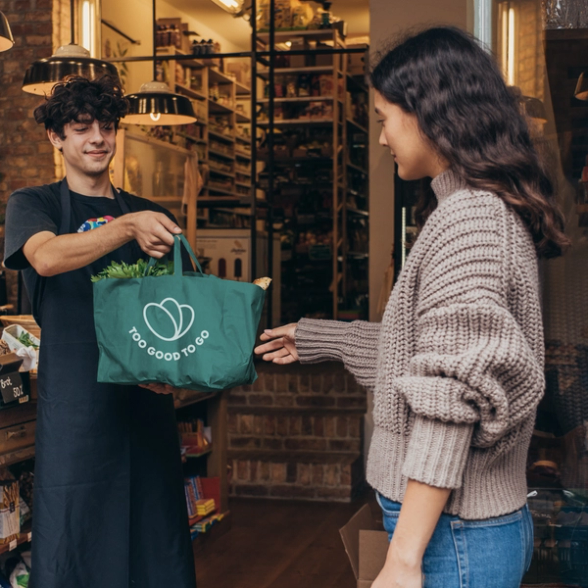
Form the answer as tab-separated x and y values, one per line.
542	48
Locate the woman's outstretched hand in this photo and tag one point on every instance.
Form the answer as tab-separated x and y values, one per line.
281	346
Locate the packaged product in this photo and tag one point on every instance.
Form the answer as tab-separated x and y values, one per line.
9	507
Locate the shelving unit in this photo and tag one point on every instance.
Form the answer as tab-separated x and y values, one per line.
319	193
212	462
219	104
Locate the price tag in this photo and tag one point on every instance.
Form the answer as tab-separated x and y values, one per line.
13	544
11	387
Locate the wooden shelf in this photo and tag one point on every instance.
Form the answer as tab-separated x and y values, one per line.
220	172
316	34
242	154
201	397
193	62
242	118
189	92
186	136
217	530
296	121
201	454
298	99
242	89
357	125
216	77
317	69
229	156
219	190
217	108
246	140
217	135
357	211
357	168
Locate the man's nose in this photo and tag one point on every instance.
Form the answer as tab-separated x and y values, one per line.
97	136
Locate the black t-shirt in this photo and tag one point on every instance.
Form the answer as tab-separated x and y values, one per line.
34	210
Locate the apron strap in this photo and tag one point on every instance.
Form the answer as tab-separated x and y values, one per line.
64	226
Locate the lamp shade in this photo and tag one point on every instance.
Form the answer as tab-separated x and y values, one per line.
235	7
581	92
156	105
6	40
69	60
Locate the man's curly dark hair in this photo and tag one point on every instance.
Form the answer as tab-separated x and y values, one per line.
78	98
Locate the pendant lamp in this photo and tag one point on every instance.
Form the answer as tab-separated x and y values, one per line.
155	104
69	60
581	92
6	40
235	7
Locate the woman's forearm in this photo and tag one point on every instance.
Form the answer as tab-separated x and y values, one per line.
421	508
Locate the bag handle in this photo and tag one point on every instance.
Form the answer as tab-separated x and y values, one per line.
179	240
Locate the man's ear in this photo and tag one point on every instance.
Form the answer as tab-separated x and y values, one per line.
55	139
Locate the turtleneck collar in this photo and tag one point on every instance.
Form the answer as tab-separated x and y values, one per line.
446	184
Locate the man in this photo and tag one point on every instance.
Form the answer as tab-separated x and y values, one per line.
109	506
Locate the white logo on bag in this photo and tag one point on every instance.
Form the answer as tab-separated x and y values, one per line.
173	308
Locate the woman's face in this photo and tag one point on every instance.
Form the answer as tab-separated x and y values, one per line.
411	150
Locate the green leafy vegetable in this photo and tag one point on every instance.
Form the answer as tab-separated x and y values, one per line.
25	339
134	270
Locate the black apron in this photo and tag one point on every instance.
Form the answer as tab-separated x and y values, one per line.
109	504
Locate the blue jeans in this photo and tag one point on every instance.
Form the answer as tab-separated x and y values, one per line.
492	553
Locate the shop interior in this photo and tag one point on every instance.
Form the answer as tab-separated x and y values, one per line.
278	172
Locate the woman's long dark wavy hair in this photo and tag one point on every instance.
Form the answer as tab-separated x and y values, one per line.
474	121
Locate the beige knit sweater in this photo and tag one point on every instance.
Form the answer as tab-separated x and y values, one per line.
456	366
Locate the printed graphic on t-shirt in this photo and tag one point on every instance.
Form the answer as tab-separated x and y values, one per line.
94	223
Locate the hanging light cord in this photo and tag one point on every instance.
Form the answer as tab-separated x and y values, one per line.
154	41
72	23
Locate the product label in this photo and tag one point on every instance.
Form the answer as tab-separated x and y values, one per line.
11	387
168	321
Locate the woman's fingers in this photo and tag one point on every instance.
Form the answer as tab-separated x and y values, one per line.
271	346
283	331
285	360
276	354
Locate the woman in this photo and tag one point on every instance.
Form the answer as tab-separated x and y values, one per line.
456	365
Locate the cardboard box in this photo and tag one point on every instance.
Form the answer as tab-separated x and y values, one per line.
366	546
229	251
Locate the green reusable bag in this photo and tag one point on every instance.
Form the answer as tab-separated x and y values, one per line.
189	330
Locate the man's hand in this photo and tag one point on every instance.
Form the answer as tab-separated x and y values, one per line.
281	348
153	231
159	388
51	255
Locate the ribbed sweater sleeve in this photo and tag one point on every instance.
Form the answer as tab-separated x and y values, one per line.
473	376
355	344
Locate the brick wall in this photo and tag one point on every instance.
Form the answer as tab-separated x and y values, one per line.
297	432
26	156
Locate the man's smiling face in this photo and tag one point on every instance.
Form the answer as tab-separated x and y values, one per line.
87	145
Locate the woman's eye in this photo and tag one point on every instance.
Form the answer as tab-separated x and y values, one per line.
381	121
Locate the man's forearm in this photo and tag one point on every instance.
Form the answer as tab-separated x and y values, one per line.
421	508
64	253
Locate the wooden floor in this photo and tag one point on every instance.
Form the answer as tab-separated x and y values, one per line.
279	544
